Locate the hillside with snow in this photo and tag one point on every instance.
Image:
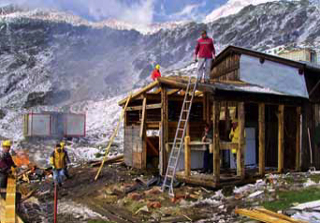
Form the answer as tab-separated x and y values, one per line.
232	7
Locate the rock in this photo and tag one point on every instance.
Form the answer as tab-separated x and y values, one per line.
154	204
134	196
153	191
110	198
2	114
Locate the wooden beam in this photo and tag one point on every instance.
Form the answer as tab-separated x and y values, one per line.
298	139
143	120
165	127
281	138
143	90
187	156
148	107
171	92
152	146
241	150
262	139
227	117
216	141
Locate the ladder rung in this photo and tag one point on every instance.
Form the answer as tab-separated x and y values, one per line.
188	101
185	110
180	129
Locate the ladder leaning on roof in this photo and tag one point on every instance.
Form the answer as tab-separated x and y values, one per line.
113	136
179	137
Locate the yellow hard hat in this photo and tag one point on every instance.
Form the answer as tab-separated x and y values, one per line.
6	143
158	67
62	144
235	120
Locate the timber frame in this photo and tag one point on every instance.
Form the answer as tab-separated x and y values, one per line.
217	103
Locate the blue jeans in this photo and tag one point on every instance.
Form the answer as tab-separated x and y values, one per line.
204	69
58	175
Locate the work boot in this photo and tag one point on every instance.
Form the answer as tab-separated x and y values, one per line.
60	184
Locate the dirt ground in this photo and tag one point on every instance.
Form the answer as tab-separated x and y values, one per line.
118	197
122	194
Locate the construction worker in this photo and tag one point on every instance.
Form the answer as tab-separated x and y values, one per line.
58	161
156	73
204	54
62	144
7	165
207	158
234	137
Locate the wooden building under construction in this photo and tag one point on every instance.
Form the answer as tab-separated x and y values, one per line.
275	100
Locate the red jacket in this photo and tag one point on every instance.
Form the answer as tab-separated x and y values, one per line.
205	48
155	74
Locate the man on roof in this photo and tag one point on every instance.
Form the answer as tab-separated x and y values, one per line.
205	53
156	73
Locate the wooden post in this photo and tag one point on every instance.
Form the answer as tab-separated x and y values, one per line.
143	119
298	139
262	139
215	141
227	117
204	103
280	138
164	124
187	156
241	144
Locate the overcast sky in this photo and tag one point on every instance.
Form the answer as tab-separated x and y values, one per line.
136	11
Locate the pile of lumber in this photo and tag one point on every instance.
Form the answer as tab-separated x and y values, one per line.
117	159
267	216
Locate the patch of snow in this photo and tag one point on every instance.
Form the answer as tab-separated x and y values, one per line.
232	7
78	211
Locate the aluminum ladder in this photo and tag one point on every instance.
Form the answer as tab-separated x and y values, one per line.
178	139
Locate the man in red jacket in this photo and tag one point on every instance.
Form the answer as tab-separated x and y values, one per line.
156	73
204	54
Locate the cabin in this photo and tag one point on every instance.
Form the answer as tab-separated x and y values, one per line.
275	100
53	125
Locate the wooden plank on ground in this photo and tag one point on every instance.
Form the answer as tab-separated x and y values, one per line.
2	210
262	139
266	216
10	203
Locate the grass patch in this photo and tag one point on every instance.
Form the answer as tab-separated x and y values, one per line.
287	198
315	178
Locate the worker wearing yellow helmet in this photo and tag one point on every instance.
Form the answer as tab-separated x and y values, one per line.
6	163
156	73
234	137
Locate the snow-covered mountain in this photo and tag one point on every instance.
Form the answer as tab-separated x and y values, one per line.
14	13
51	62
232	7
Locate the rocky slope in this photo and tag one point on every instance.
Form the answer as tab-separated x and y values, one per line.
50	64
